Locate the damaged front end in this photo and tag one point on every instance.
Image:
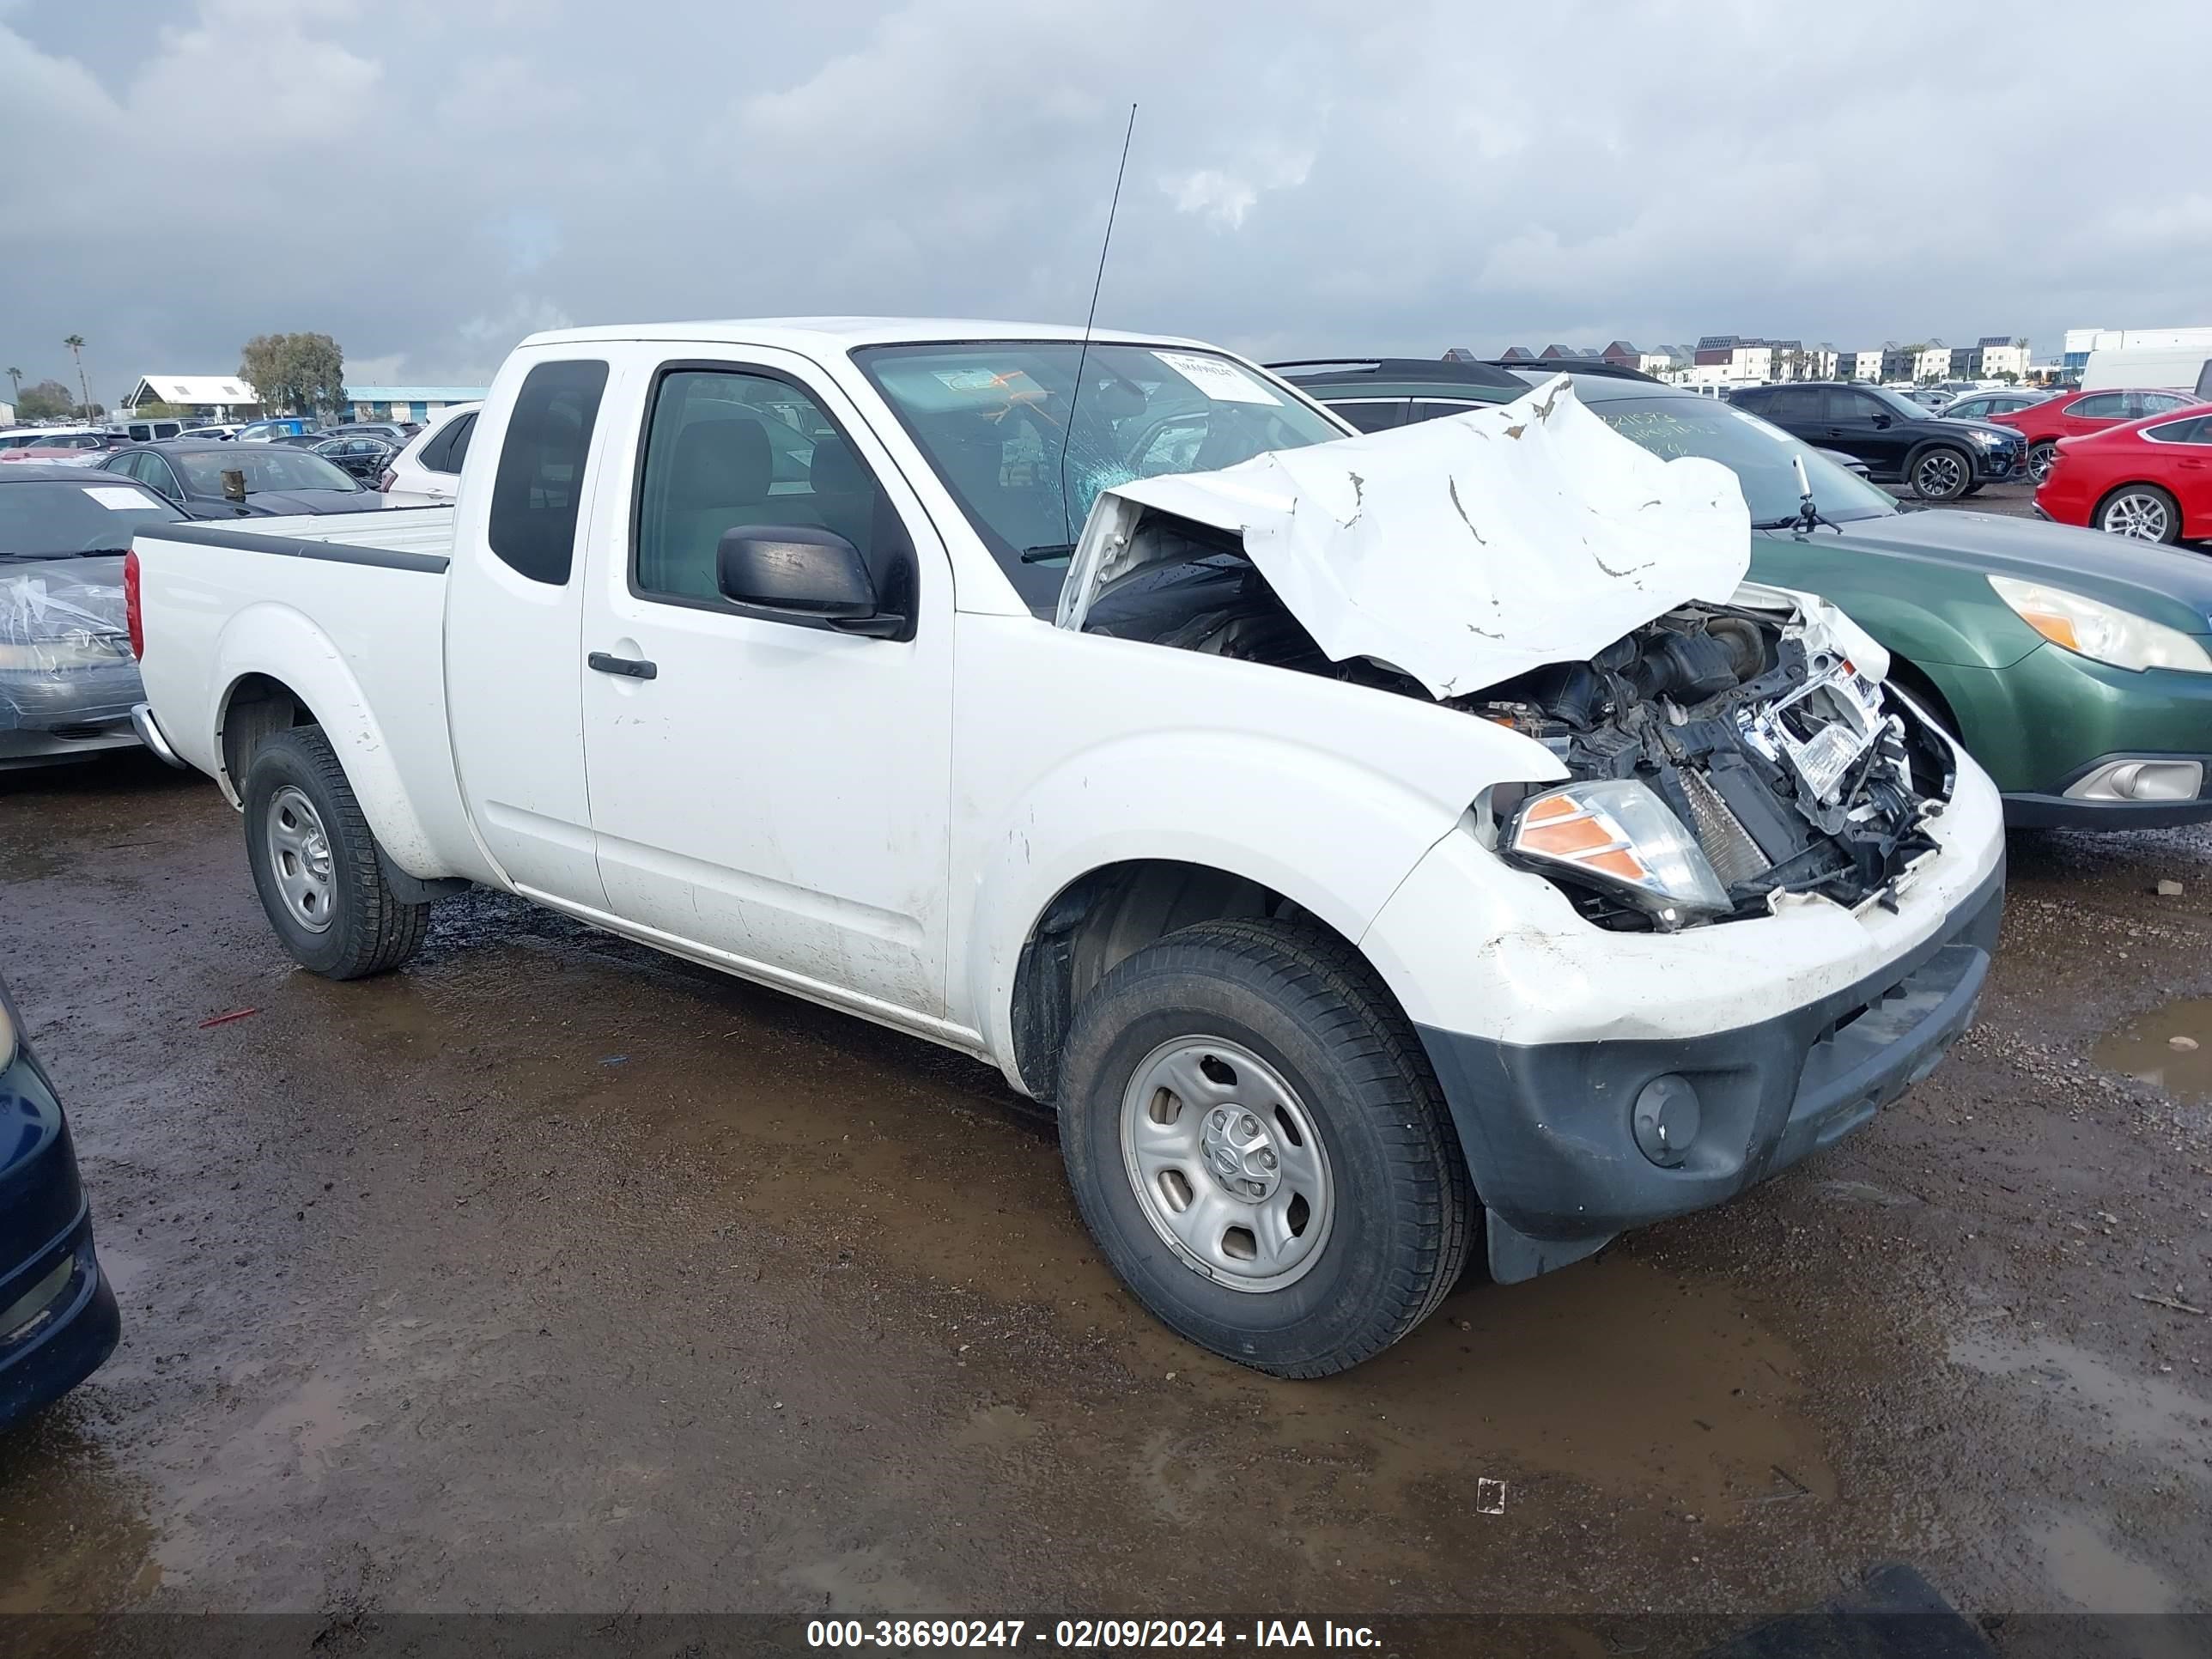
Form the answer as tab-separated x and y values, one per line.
1785	769
1722	758
1729	748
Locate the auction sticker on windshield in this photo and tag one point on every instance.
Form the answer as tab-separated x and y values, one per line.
1222	381
119	498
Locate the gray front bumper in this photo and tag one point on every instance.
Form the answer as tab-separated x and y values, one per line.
1547	1129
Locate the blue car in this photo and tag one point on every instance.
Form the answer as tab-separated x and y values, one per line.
58	1322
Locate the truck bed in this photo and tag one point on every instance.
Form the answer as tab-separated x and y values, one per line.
347	611
425	532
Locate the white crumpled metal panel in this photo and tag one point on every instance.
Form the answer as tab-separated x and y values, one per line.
1463	550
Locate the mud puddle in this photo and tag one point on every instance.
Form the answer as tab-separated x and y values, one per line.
2169	1048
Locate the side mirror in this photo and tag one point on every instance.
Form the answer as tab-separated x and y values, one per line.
805	571
1881	422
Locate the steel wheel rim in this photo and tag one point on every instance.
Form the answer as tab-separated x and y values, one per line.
1227	1163
300	858
2136	516
2039	459
1939	474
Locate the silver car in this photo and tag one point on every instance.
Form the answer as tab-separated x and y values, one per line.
68	675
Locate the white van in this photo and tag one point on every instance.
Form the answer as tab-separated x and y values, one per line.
2189	371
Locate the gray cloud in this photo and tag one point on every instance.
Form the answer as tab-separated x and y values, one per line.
428	181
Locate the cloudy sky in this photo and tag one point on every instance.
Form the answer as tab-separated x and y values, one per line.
429	179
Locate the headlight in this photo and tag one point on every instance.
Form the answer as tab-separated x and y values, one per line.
2101	631
1617	834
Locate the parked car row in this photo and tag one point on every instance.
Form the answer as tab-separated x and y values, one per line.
220	481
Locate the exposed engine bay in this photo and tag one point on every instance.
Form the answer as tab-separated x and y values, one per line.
1787	769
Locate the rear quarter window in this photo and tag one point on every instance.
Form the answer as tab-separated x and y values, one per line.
539	487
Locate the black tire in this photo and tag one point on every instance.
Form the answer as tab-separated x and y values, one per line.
2154	514
1974	489
2040	458
1402	1208
1940	473
368	931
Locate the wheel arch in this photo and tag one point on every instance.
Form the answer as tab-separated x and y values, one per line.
1917	683
1109	913
278	670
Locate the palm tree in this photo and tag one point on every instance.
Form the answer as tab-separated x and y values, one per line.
75	343
16	386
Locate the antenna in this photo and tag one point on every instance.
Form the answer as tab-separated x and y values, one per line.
1068	437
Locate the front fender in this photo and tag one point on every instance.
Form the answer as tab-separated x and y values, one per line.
283	644
1328	793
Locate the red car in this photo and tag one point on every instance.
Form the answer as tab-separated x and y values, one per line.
2073	415
2150	480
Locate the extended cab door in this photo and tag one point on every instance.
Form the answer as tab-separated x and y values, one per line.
765	785
514	623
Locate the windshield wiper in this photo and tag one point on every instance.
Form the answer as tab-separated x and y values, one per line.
1048	554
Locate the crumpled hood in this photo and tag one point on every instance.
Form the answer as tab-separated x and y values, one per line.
1461	551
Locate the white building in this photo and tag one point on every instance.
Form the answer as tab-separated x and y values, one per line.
2080	341
408	403
1859	366
2001	356
209	397
1730	360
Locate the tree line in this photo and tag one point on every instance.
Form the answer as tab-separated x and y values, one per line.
290	373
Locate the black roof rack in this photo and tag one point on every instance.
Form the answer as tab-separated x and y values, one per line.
1402	368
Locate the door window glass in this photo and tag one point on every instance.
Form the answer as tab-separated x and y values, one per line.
2100	406
1374	414
1429	409
1793	403
726	450
539	487
457	450
2196	430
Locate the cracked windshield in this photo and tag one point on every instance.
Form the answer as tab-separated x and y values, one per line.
992	417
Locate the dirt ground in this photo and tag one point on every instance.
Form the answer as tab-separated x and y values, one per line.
549	1274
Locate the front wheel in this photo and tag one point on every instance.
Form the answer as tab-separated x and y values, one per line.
2141	512
314	862
1940	474
1257	1144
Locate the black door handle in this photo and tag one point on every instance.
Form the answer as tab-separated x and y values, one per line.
635	668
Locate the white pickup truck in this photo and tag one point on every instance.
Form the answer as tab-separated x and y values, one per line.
1370	845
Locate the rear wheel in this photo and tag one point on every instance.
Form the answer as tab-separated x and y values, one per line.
1941	473
314	862
2040	458
2141	512
1257	1143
